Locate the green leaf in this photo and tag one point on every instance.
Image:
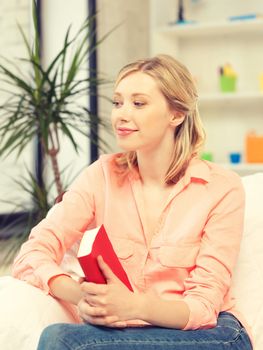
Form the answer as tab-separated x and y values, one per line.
67	132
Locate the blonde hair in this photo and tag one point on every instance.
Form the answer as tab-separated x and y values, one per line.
177	85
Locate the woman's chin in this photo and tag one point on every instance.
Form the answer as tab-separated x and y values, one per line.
125	146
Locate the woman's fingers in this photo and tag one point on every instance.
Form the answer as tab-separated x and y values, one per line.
93	288
97	316
101	321
89	310
118	324
94	300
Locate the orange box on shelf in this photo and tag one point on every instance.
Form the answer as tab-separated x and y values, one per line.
254	148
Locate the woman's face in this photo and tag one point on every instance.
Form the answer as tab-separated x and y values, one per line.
141	117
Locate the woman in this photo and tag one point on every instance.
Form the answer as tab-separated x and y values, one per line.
175	222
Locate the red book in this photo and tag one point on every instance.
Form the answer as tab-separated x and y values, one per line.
94	243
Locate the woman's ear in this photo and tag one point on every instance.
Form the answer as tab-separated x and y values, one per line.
177	119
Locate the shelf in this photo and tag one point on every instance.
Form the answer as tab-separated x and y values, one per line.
230	97
214	28
245	168
204	45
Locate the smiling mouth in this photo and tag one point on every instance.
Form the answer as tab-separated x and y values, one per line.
124	131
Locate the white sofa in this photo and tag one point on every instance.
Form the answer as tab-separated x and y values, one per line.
21	322
248	276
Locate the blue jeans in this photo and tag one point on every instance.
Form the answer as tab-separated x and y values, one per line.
229	334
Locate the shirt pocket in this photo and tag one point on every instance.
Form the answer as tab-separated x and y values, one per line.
124	248
179	256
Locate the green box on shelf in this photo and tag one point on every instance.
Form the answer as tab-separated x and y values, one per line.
207	156
227	83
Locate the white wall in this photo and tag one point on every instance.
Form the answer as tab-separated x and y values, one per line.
128	42
57	16
12	48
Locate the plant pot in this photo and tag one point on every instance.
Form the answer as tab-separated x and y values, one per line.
227	83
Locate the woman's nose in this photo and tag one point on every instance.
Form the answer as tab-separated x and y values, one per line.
124	113
124	118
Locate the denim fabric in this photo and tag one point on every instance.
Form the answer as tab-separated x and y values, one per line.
229	334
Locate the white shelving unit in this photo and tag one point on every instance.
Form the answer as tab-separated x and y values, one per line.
231	98
244	168
210	41
214	28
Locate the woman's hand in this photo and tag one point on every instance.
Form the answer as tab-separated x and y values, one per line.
110	304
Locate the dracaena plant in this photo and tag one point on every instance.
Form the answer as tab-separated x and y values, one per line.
45	102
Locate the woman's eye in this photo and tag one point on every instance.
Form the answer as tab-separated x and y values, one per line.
139	103
116	103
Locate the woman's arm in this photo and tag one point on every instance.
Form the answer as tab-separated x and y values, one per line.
40	256
65	288
163	313
210	281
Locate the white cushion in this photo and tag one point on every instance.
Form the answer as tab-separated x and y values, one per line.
248	276
25	311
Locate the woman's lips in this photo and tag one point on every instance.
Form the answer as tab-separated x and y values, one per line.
124	131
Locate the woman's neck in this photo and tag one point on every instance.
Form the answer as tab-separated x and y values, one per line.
153	167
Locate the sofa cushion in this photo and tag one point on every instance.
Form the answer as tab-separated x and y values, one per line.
25	312
248	275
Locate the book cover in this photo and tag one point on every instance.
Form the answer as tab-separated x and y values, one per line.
94	243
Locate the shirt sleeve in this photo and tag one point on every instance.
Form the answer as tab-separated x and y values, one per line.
40	256
210	281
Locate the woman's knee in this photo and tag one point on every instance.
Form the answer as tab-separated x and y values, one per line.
52	338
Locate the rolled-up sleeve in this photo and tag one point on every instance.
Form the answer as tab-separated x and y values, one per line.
209	282
40	256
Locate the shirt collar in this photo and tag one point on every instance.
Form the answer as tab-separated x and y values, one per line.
197	171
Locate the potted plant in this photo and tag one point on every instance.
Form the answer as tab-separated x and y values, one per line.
45	103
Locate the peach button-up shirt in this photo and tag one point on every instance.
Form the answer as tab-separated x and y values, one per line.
191	255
